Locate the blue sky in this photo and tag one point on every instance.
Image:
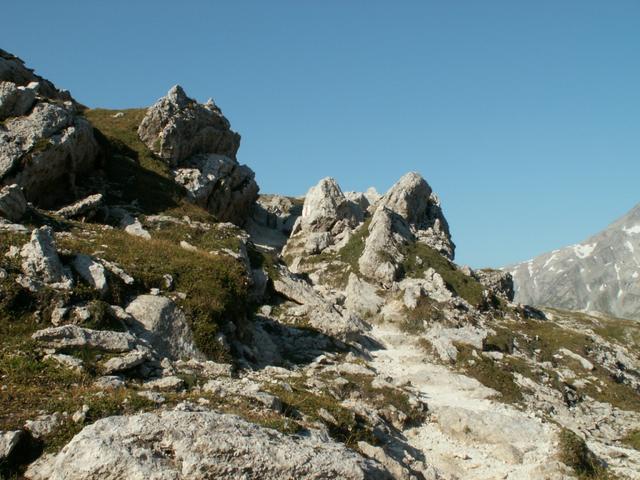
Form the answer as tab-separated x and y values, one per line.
523	116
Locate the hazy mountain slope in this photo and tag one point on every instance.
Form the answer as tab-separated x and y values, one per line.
600	274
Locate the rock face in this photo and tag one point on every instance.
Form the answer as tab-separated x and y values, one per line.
197	141
600	274
159	321
198	446
45	146
497	281
412	199
220	185
13	205
41	262
177	127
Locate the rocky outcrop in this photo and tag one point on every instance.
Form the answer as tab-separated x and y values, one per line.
177	127
327	218
13	69
198	446
600	274
159	321
220	185
411	198
496	281
41	263
13	205
197	142
45	146
72	336
86	208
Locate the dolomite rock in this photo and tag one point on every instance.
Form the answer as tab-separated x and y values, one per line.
411	197
41	261
13	204
15	100
499	282
13	69
177	127
361	297
46	151
197	141
8	442
86	208
198	446
219	184
91	272
382	253
326	209
126	362
160	321
72	336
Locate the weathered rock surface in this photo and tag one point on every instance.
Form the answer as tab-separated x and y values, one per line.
600	274
86	208
177	127
198	445
499	282
219	184
197	141
41	262
411	197
13	205
8	442
13	69
72	336
91	272
160	321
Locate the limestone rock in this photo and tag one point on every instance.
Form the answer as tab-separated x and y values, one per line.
91	272
361	297
220	185
86	208
43	425
8	442
197	446
72	336
325	206
160	321
126	362
41	261
13	204
15	100
382	254
411	197
170	383
13	69
177	127
46	151
497	281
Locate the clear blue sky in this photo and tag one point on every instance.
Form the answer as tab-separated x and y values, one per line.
523	115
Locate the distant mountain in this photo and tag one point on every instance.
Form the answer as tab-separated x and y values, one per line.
600	274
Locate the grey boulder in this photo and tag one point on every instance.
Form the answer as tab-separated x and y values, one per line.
198	446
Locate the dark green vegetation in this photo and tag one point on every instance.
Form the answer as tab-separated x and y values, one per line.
419	257
632	439
575	454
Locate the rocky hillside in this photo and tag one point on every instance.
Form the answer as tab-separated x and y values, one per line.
161	319
601	274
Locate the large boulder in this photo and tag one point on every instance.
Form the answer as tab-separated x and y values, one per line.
197	142
160	321
41	263
220	185
197	446
411	197
327	217
382	254
46	147
177	127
